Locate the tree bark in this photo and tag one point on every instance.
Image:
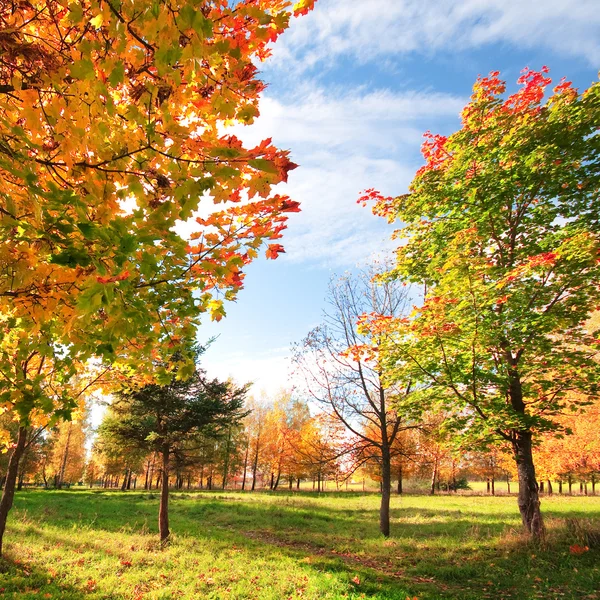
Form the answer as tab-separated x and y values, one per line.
8	493
255	466
163	514
245	466
434	476
399	490
386	490
529	499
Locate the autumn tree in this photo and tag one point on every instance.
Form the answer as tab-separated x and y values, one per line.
68	454
501	227
320	447
111	132
342	370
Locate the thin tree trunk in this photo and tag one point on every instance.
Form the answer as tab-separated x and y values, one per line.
124	484
245	465
254	467
386	489
549	488
147	474
163	514
434	476
8	493
493	482
400	475
529	499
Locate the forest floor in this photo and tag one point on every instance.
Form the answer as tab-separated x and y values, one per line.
96	544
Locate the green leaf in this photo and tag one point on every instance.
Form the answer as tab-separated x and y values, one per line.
262	164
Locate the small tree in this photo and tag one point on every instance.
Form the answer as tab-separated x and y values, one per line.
163	418
351	383
501	227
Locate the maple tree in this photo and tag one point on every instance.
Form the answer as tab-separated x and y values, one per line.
342	371
501	227
111	133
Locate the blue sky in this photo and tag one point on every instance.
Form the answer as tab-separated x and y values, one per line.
352	88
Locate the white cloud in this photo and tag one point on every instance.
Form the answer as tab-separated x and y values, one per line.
372	29
346	142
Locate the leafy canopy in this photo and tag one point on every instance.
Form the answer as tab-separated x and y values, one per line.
112	117
501	227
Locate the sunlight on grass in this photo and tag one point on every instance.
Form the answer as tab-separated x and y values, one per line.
96	544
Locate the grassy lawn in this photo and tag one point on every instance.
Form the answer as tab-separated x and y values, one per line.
96	544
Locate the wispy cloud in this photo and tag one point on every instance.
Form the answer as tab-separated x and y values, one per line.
345	142
376	29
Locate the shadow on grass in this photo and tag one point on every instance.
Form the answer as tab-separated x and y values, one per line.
434	553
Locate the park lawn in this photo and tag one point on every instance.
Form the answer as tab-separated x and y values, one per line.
275	546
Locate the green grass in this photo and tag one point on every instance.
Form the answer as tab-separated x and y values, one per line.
97	544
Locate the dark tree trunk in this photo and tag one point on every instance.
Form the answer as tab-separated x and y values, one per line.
493	481
276	484
529	499
560	486
20	481
386	490
570	480
541	487
124	484
488	485
254	467
147	474
549	488
399	490
8	493
163	514
272	480
245	466
291	483
298	483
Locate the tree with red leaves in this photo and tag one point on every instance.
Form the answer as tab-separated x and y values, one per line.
501	227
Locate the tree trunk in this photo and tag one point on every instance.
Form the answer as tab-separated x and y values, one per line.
488	485
124	484
399	490
570	480
245	466
549	487
560	483
493	481
298	483
529	499
386	490
8	493
254	467
433	476
163	514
